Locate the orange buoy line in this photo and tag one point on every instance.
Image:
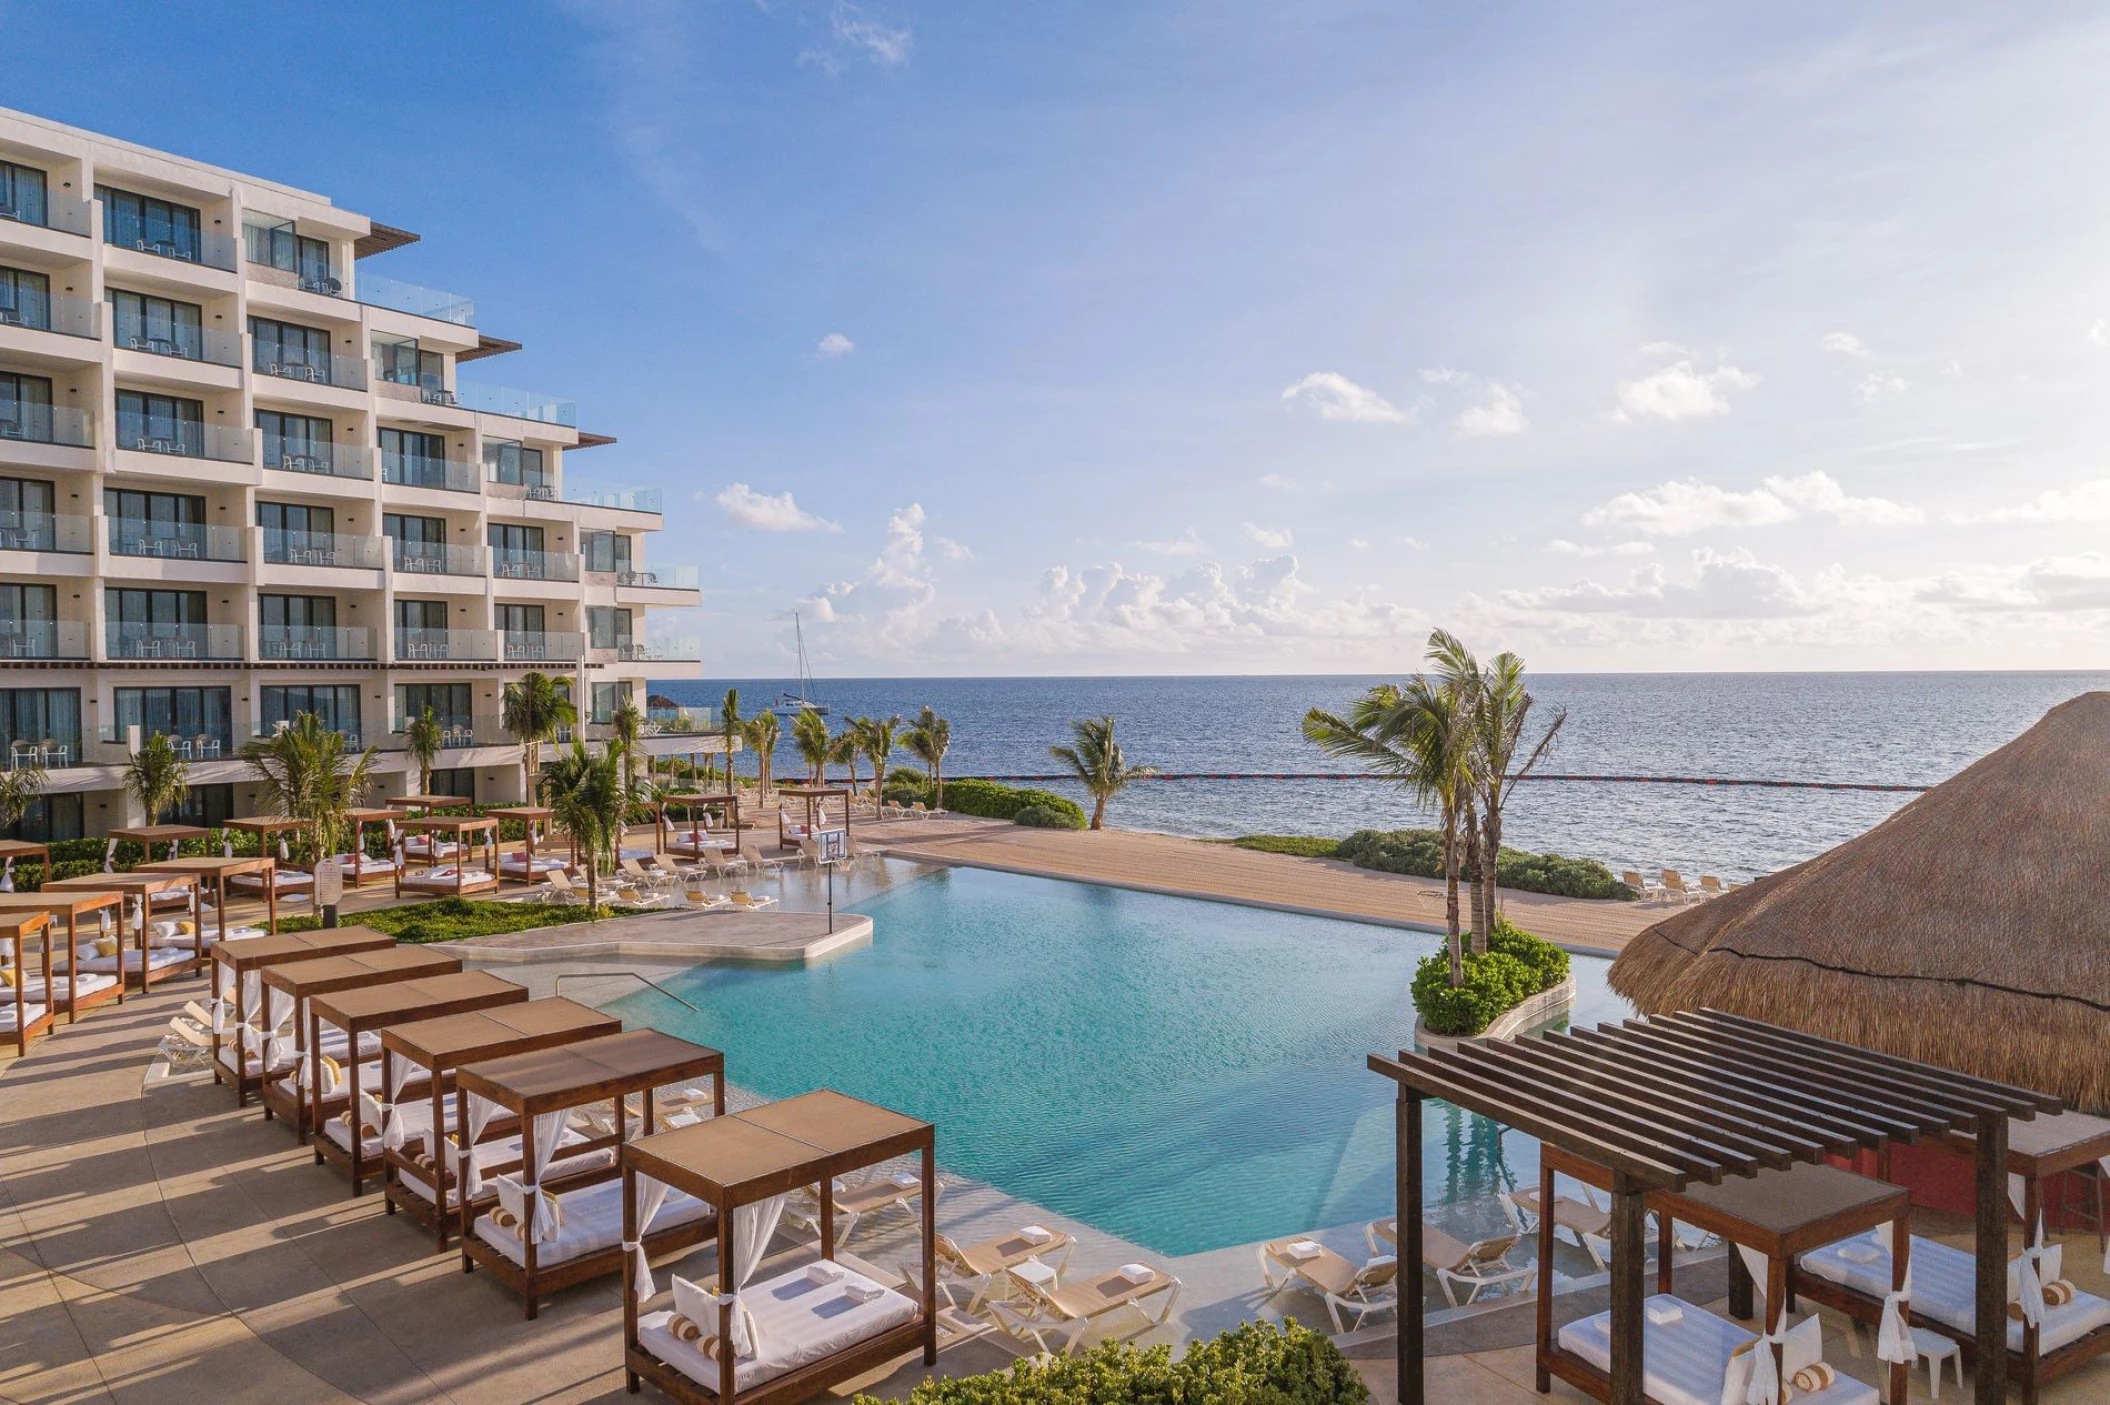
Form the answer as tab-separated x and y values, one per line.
1532	776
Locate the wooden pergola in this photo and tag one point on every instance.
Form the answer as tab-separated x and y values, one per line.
361	867
146	836
292	988
17	931
73	905
238	988
214	873
285	878
529	816
464	831
689	804
1693	1098
141	890
431	802
816	798
14	851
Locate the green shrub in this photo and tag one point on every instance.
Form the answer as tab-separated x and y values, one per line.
1547	962
1256	1363
995	801
1419	852
1047	817
454	919
1515	967
1304	846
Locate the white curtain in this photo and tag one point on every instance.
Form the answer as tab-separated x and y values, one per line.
548	1130
226	846
251	1006
110	857
2029	1274
753	1227
278	1008
651	1195
283	856
7	876
1894	1337
394	1132
1765	1371
466	1173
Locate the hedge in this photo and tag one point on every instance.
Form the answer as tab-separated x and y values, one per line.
1515	967
456	919
1047	817
1304	846
1255	1363
986	799
1419	852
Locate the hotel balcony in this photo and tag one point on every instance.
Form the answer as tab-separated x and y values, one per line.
687	649
190	439
175	541
200	247
314	643
544	647
416	471
50	753
354	461
283	548
60	313
43	639
47	531
520	404
205	744
311	368
182	343
663	578
275	245
447	645
534	565
627	500
46	209
354	737
46	424
459	733
376	291
422	559
173	641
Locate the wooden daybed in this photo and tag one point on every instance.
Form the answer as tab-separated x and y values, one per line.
238	993
14	851
518	1239
23	1018
813	1326
75	989
417	1177
289	880
358	866
161	948
697	840
146	836
455	878
361	1015
289	993
789	836
522	866
212	875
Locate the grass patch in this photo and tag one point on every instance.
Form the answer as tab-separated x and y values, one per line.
456	919
1304	846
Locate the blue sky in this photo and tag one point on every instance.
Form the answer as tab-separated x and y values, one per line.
1249	337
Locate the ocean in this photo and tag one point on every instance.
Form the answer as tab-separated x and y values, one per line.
1889	728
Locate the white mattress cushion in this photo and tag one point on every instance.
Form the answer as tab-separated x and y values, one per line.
157	957
9	1012
282	879
1945	1288
516	864
62	987
593	1221
1686	1362
506	1152
798	1322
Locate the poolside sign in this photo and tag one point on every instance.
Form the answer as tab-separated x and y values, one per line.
835	844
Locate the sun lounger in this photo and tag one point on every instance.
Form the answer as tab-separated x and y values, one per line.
1373	1287
1711	886
1589	1227
1674	887
795	1321
1689	1356
1945	1289
1042	1309
450	878
898	1191
750	902
752	856
516	867
1648	889
637	873
158	958
1482	1264
982	1268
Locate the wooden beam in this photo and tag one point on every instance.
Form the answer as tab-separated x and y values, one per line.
1925	1114
1709	1065
1874	1082
1406	1202
2012	1095
1989	1387
1755	1115
1629	1257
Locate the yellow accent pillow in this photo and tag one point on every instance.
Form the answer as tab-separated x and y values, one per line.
186	928
105	946
7	976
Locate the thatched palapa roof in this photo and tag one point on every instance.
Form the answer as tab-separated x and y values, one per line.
1971	929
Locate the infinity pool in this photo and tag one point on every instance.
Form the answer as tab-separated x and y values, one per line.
1184	1074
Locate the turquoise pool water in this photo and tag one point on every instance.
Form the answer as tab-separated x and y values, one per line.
1185	1074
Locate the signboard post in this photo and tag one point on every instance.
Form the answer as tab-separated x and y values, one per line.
834	847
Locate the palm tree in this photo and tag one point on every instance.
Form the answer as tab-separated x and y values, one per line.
1500	709
19	791
1417	734
157	777
532	711
423	740
845	747
310	774
1099	763
588	804
875	738
762	732
729	720
809	733
928	739
626	728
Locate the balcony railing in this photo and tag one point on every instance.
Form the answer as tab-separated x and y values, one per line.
313	367
457	732
325	460
212	745
183	245
544	647
283	548
265	731
47	531
206	344
175	541
534	565
627	500
376	291
520	404
52	312
288	642
190	439
44	753
431	559
417	471
43	639
662	577
681	722
174	641
452	645
46	424
49	210
275	245
688	649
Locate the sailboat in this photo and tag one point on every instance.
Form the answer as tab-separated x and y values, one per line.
792	704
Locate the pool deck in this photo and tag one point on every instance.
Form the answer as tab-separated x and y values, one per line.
685	937
1194	868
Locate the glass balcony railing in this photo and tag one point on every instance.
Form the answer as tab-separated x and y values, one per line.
432	389
456	645
46	424
43	639
174	641
300	643
520	404
681	722
191	439
457	732
47	531
626	500
168	241
283	548
326	460
688	649
543	647
209	743
183	343
51	312
376	291
432	559
47	210
44	753
276	245
534	565
175	541
663	577
265	731
314	367
418	471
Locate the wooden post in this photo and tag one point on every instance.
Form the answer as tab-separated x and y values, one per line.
270	900
1666	1239
1740	1305
726	1289
630	1235
828	1217
1776	1312
1629	1259
467	1148
1900	1270
1545	1302
930	1239
1990	1385
2032	1212
1406	1200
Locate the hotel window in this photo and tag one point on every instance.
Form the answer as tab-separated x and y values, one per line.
21	193
607	552
449	702
276	245
48	820
297	611
26	611
295	441
207	806
607	697
607	627
26	514
399	361
511	462
34	716
418	459
520	619
177	712
25	407
147	222
417	616
25	299
515	550
293	524
160	325
285	349
162	423
417	539
458	781
335	706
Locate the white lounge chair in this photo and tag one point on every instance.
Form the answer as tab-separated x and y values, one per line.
1346	1288
983	1269
1482	1264
1042	1309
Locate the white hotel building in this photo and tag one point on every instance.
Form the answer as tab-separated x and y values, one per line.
241	478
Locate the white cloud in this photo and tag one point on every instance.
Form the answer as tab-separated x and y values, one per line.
1722	586
1268	537
1667	348
1358	544
1444	375
1820	492
2084	502
885	606
1882	385
857	36
1501	413
2052	584
952	550
1187	543
1845	344
833	345
1336	397
1110	609
1414	543
2099	334
1560	547
1280	483
769	512
1679	391
1680	508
